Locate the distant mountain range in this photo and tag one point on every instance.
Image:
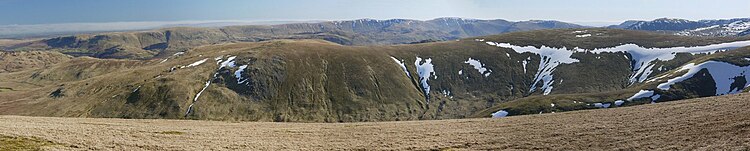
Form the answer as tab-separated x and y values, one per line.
63	29
147	44
166	41
715	27
721	27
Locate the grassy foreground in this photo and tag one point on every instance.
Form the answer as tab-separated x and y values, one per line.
714	123
22	143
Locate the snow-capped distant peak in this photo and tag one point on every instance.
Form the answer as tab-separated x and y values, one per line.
671	20
730	29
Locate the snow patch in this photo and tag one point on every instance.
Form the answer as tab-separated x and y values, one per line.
425	70
619	102
136	89
447	93
238	74
655	97
584	35
524	63
403	66
228	63
705	28
602	105
479	66
550	59
641	94
499	114
199	62
195	99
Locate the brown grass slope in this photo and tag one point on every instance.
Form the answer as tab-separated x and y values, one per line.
18	61
714	123
319	81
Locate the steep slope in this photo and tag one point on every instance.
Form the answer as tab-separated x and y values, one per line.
319	81
720	73
147	44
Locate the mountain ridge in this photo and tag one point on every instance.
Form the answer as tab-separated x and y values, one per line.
158	43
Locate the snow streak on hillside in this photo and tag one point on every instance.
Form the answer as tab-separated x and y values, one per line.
729	78
642	59
425	70
228	63
479	66
403	66
550	59
644	94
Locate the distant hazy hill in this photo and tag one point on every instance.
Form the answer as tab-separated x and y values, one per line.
147	44
723	27
63	29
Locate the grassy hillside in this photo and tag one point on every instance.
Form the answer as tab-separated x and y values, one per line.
320	81
18	61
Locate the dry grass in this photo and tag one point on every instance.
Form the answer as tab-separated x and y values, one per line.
22	143
171	132
715	123
19	61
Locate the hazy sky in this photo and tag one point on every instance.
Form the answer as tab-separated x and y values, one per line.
75	11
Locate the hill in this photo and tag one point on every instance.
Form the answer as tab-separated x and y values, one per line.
320	81
164	42
19	61
720	27
715	123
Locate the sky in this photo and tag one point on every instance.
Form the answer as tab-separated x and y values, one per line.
26	12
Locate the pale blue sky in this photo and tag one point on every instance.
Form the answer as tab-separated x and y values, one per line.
76	11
